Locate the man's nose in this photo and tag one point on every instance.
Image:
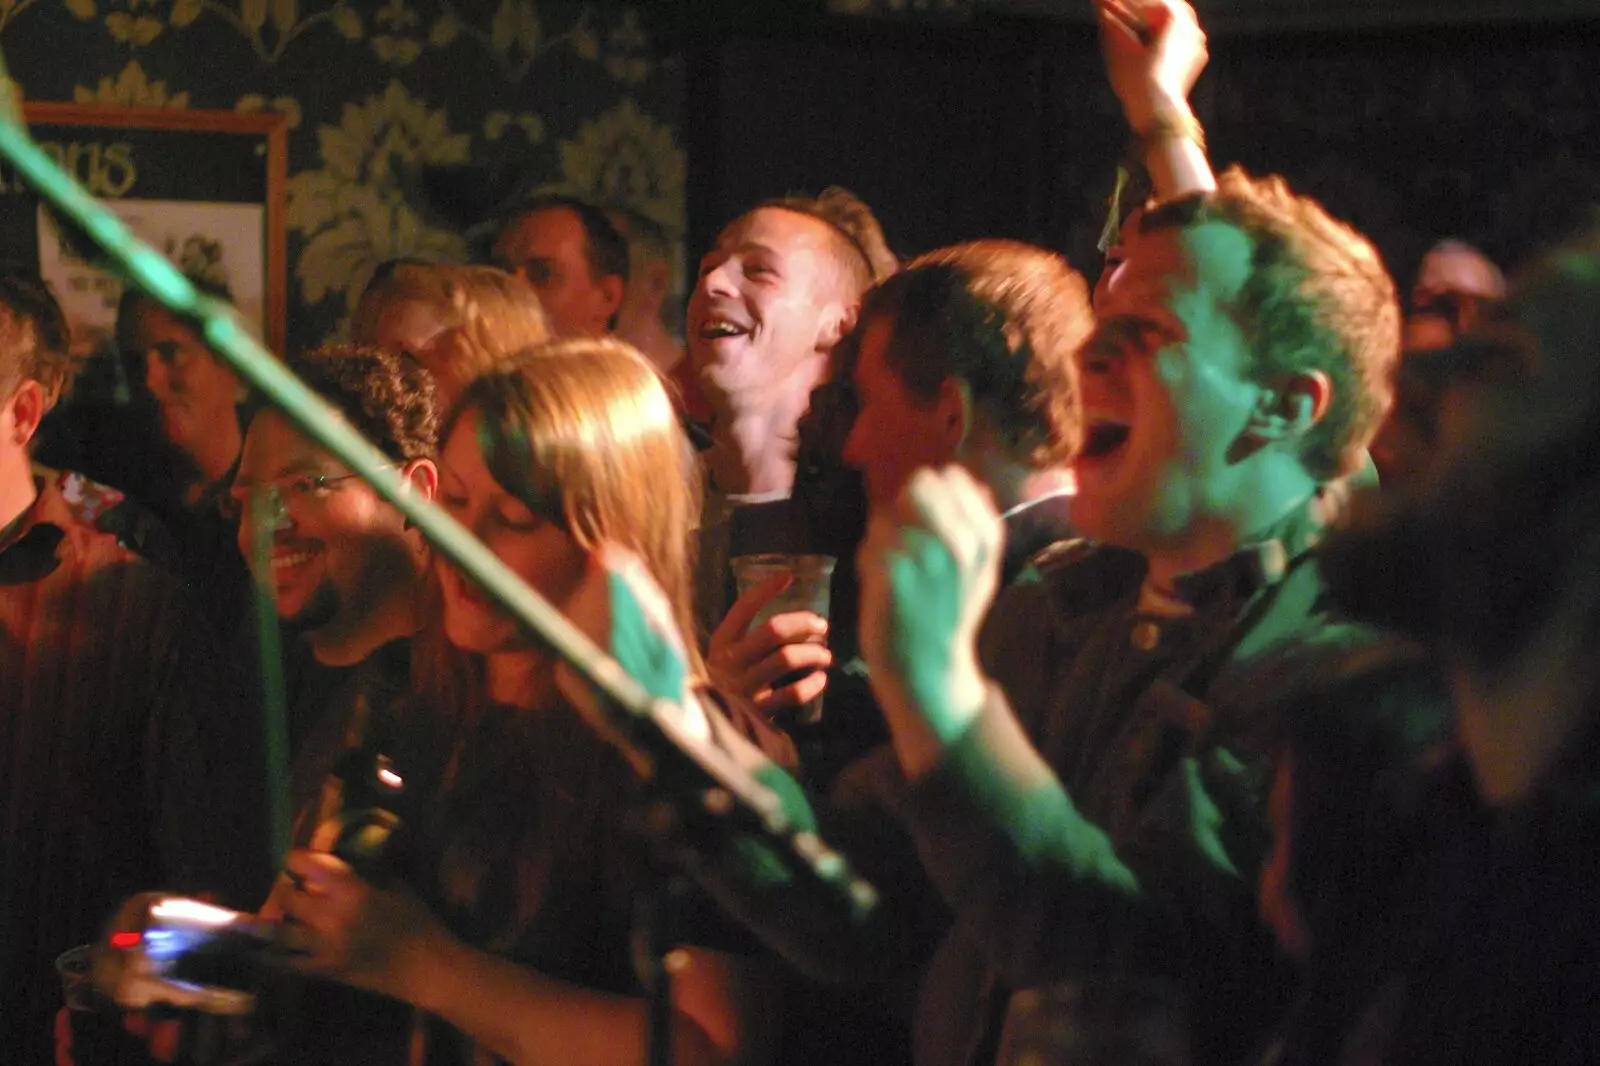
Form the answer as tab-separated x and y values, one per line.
718	281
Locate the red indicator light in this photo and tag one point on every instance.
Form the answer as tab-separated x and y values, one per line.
125	940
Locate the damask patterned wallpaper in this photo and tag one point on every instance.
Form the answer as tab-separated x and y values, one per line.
564	93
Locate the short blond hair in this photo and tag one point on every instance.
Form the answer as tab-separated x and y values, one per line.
1318	298
488	315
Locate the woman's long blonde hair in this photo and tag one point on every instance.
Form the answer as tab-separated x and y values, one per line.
584	433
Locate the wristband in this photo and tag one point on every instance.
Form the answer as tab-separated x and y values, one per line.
1172	125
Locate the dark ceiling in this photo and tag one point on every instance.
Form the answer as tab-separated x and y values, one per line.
1274	15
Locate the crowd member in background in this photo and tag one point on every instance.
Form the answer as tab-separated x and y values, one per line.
1494	559
55	447
171	443
457	321
119	742
1434	391
642	319
509	911
574	258
1455	284
345	571
1457	287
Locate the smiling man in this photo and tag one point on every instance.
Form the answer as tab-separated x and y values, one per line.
344	565
345	571
779	290
1084	809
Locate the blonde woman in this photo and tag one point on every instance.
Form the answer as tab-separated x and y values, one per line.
457	321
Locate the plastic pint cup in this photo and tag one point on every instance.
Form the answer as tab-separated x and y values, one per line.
808	591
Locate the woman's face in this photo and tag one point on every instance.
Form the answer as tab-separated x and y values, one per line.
539	551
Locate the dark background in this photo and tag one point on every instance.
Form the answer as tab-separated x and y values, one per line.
1003	126
1414	119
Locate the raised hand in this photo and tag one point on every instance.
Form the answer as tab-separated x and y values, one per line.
1154	52
748	660
619	606
929	567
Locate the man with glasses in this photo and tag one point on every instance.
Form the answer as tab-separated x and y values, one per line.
344	569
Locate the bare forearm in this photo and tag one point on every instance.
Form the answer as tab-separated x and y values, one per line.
530	1019
1178	167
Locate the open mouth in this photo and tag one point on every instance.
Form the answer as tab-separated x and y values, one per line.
1104	439
285	560
718	328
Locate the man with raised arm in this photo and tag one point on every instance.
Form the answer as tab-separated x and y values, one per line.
1085	810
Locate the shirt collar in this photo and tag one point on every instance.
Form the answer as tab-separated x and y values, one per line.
1267	560
29	545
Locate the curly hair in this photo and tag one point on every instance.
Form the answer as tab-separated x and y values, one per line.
1318	298
863	255
1007	319
388	398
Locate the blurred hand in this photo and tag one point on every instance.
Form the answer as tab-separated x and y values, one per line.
619	606
1154	52
929	567
748	660
350	930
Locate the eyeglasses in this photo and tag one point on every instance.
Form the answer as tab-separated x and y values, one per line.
275	497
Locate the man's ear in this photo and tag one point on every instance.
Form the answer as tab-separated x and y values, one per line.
956	413
1288	409
27	411
611	289
422	476
837	321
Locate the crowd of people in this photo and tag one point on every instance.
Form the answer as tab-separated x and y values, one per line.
1204	679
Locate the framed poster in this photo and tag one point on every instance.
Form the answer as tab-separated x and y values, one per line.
205	188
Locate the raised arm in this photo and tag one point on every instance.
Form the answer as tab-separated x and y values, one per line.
1154	51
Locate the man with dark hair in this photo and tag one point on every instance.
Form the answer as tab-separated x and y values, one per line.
343	566
572	255
966	356
115	731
